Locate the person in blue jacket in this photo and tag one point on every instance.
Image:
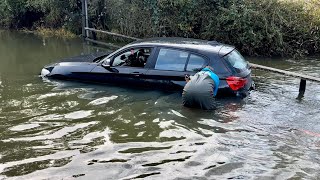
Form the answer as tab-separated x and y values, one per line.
200	90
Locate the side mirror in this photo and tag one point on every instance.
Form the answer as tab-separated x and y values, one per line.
106	64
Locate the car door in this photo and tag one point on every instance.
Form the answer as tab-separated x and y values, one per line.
117	70
171	65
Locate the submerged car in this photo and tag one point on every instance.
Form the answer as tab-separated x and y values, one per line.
159	63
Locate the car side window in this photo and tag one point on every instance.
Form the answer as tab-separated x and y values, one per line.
172	60
195	63
134	57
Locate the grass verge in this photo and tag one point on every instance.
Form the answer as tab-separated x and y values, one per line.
50	32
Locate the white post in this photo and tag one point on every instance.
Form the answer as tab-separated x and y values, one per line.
86	16
83	20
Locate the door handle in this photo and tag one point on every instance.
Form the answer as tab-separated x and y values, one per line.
136	74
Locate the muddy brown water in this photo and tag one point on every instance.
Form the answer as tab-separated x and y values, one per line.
69	130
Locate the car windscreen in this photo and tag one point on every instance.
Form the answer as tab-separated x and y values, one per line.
236	60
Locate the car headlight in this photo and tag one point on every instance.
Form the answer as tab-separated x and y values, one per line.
44	72
47	69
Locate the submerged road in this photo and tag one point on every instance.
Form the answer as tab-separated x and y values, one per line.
66	130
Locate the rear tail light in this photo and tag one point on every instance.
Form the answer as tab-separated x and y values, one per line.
235	83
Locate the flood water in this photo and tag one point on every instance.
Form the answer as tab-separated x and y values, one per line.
69	130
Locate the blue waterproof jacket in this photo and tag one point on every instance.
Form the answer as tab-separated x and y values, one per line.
215	78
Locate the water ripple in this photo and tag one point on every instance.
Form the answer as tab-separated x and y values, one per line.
65	130
55	135
102	100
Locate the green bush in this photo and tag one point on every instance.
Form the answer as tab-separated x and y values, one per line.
260	27
257	28
41	13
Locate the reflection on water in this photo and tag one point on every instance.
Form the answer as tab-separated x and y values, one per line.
74	130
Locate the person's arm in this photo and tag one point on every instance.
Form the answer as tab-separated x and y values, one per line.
187	78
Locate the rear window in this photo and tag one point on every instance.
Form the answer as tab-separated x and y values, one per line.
172	60
195	63
236	60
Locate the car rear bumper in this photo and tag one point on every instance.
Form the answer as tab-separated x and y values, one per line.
244	92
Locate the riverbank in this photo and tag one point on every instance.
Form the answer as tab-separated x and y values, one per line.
49	32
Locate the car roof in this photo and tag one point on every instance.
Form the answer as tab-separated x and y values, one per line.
183	43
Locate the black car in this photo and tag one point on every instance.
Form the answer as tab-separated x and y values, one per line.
159	63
